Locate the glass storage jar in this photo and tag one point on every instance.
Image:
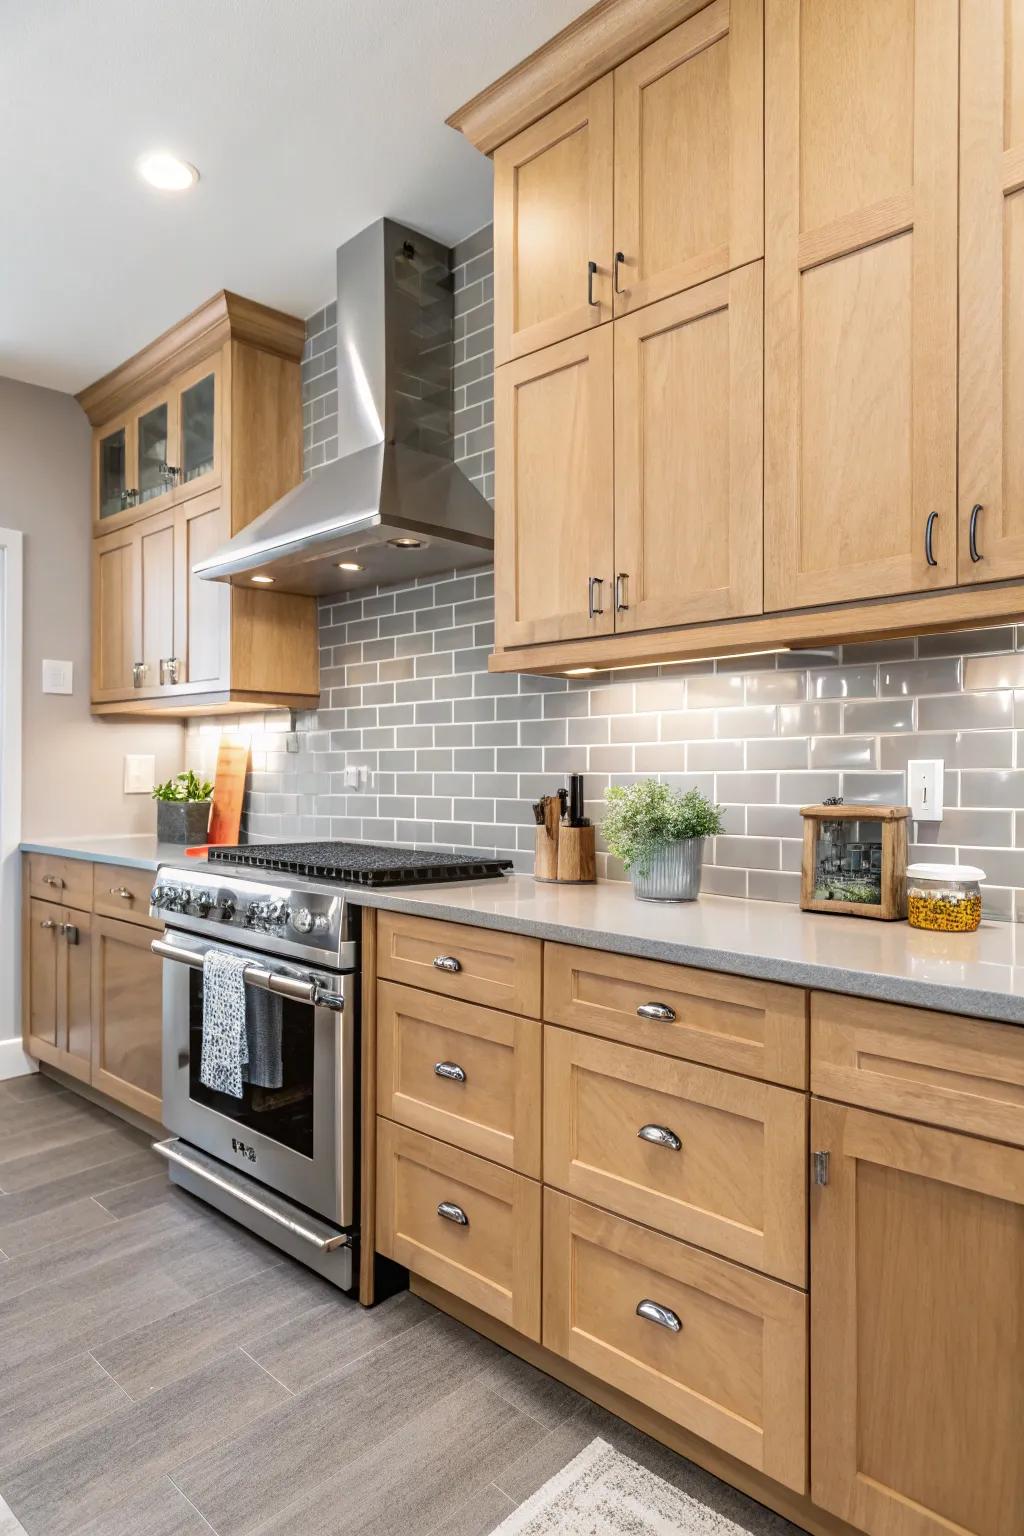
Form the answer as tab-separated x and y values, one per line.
945	898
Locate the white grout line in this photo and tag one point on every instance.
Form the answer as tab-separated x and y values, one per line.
263	1368
188	1501
114	1379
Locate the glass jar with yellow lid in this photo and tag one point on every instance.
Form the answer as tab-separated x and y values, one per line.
945	898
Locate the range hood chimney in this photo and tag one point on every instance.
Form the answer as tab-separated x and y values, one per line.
393	504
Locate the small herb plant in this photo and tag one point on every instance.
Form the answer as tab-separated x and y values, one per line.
184	786
643	817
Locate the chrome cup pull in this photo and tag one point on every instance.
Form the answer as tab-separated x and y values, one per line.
660	1136
447	963
48	922
651	1312
122	891
659	1011
450	1070
54	880
69	931
452	1212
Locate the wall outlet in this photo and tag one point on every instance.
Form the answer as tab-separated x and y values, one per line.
357	778
924	788
58	676
139	773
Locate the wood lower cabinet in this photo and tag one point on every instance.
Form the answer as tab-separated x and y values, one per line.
471	965
553	515
860	299
553	226
917	1328
688	432
711	1346
689	192
58	956
127	1015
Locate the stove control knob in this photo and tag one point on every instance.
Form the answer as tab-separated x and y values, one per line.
201	902
305	921
276	912
156	896
226	909
172	898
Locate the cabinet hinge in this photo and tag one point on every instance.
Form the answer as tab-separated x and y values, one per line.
821	1160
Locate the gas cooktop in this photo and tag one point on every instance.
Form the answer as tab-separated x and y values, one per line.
365	864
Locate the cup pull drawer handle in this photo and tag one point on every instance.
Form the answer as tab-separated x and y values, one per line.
660	1011
54	880
122	891
447	963
452	1212
450	1070
660	1136
651	1312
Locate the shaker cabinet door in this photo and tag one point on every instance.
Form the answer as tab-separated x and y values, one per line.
127	1012
553	501
992	290
552	220
688	434
689	161
860	299
116	631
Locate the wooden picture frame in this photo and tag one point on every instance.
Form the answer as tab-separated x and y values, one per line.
892	893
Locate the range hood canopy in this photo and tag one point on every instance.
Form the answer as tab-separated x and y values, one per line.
393	503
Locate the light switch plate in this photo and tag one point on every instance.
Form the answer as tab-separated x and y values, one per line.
139	773
58	676
924	788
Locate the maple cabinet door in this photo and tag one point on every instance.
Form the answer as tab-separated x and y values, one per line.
157	600
688	456
992	290
917	1328
860	299
127	1015
116	630
689	154
554	493
552	219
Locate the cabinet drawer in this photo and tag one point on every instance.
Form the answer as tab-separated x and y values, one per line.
722	1161
492	1257
755	1027
729	1359
480	965
51	878
469	1075
123	893
967	1074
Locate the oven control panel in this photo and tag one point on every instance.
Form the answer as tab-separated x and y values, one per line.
307	921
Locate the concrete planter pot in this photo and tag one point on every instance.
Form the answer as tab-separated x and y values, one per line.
182	821
674	872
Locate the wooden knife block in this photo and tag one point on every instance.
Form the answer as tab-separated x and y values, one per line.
565	855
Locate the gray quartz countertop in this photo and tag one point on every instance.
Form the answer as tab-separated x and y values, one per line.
980	973
135	851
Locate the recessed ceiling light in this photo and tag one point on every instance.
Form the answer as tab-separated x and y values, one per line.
167	172
350	565
406	543
265	580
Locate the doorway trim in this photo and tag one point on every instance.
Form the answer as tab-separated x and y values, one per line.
13	1061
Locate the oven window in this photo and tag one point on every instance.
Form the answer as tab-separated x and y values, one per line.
283	1114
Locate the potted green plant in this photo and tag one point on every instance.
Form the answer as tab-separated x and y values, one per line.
658	833
183	809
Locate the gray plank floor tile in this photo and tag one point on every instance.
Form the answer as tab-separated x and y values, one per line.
19	1114
158	1509
405	1481
89	1473
41	1167
548	1401
135	1164
297	1448
39	1139
303	1353
119	1241
52	1403
478	1516
154	1355
31	1085
60	1225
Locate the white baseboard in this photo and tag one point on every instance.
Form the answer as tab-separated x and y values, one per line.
13	1061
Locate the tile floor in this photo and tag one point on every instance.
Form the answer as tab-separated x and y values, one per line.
165	1373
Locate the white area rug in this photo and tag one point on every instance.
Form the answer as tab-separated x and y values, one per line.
604	1493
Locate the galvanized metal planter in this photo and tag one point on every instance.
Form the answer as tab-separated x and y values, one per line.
674	872
182	821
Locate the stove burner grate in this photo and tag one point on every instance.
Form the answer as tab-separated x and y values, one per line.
366	864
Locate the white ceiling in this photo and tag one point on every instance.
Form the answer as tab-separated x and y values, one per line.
307	119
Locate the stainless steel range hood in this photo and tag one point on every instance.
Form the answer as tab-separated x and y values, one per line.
393	504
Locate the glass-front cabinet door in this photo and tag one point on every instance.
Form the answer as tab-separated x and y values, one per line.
198	395
113	490
154	436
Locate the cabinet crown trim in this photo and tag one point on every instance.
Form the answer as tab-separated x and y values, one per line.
225	317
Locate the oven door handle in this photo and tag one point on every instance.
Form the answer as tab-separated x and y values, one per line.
257	976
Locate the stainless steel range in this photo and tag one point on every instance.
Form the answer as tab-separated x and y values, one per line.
281	1159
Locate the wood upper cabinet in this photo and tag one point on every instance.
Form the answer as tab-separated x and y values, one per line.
860	299
126	1013
991	290
689	192
197	458
917	1328
56	1011
688	455
553	518
552	220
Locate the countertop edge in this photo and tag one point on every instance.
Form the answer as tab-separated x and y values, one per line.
1001	1007
92	856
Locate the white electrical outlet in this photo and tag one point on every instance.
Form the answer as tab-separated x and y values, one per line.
139	773
58	676
924	787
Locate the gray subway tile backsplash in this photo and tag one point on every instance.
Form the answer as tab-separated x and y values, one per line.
454	754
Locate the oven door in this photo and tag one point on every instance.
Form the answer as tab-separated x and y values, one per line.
297	1138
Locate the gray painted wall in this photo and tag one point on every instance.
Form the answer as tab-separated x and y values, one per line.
453	755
